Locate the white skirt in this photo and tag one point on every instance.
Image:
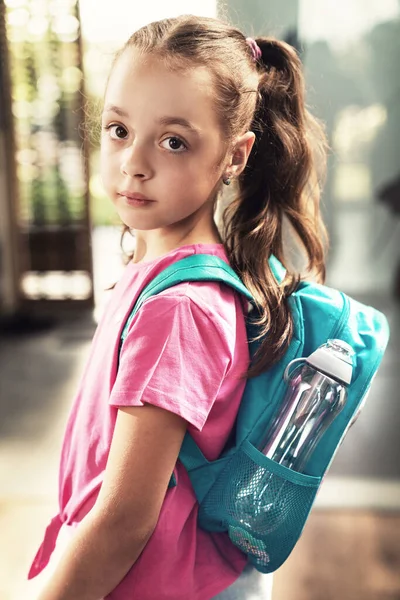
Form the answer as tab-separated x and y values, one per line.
251	585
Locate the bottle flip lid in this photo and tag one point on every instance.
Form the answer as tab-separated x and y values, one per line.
335	359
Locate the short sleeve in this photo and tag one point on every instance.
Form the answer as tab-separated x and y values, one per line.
175	356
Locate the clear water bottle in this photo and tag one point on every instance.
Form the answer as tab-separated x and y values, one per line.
316	394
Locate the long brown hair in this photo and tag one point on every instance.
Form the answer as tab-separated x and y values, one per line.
283	175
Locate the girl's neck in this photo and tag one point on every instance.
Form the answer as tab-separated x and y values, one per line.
147	249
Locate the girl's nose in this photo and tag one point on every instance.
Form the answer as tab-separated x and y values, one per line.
135	164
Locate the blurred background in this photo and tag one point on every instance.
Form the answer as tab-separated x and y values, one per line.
59	250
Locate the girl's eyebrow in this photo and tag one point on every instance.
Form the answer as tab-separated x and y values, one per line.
179	121
116	109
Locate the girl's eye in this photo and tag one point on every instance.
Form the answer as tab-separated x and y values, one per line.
174	144
117	132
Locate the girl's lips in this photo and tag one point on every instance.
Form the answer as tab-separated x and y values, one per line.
136	199
134	196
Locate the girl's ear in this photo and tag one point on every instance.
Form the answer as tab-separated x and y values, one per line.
240	153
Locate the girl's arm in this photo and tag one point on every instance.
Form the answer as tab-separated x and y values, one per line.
144	450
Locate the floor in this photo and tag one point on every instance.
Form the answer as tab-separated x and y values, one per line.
345	555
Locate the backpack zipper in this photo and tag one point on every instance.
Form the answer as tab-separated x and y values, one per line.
343	317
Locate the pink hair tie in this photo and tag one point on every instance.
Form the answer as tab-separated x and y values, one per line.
255	49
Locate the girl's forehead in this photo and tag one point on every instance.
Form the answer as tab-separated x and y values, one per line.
135	76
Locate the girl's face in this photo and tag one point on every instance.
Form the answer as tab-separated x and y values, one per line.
161	145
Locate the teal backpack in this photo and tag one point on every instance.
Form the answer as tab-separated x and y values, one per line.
226	488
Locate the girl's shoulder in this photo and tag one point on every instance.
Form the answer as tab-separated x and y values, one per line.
218	301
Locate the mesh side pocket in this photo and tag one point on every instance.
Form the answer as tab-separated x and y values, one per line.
262	505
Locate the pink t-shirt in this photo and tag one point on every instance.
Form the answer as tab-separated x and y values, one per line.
185	351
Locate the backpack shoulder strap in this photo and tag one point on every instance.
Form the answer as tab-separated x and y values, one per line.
197	267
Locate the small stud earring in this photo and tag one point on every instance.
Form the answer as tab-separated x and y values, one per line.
227	180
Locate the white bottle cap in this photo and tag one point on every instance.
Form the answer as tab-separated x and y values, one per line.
335	359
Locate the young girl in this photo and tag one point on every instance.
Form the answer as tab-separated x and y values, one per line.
190	105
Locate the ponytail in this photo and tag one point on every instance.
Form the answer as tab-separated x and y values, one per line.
279	183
